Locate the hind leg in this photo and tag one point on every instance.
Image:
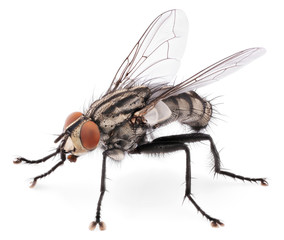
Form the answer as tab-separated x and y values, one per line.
199	137
172	146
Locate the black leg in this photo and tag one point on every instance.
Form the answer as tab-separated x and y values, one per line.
47	173
214	222
102	190
21	159
63	159
198	137
166	146
60	150
177	142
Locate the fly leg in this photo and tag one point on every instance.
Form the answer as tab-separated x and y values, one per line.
21	159
166	146
102	190
60	150
63	159
198	137
47	173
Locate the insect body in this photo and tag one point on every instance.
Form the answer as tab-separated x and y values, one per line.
142	98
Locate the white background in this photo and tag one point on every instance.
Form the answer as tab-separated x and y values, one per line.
54	55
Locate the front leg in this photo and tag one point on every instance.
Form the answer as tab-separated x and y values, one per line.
102	190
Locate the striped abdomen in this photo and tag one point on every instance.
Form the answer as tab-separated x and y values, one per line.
189	108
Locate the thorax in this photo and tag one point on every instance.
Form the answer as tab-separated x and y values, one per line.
112	113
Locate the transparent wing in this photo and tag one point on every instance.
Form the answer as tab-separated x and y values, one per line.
156	56
219	70
208	75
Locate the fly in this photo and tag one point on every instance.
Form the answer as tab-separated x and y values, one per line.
142	98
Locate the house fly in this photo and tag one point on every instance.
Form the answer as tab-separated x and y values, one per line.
141	98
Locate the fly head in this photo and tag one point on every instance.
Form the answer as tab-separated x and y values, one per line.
80	135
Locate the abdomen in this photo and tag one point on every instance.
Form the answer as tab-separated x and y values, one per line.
189	108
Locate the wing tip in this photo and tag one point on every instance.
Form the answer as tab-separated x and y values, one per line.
257	51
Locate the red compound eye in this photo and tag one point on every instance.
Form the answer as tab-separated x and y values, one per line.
90	135
72	118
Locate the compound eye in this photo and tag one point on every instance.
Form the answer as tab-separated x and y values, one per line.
90	135
72	118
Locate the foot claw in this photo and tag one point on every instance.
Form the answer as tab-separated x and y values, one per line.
216	223
264	182
102	226
18	160
93	225
33	183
